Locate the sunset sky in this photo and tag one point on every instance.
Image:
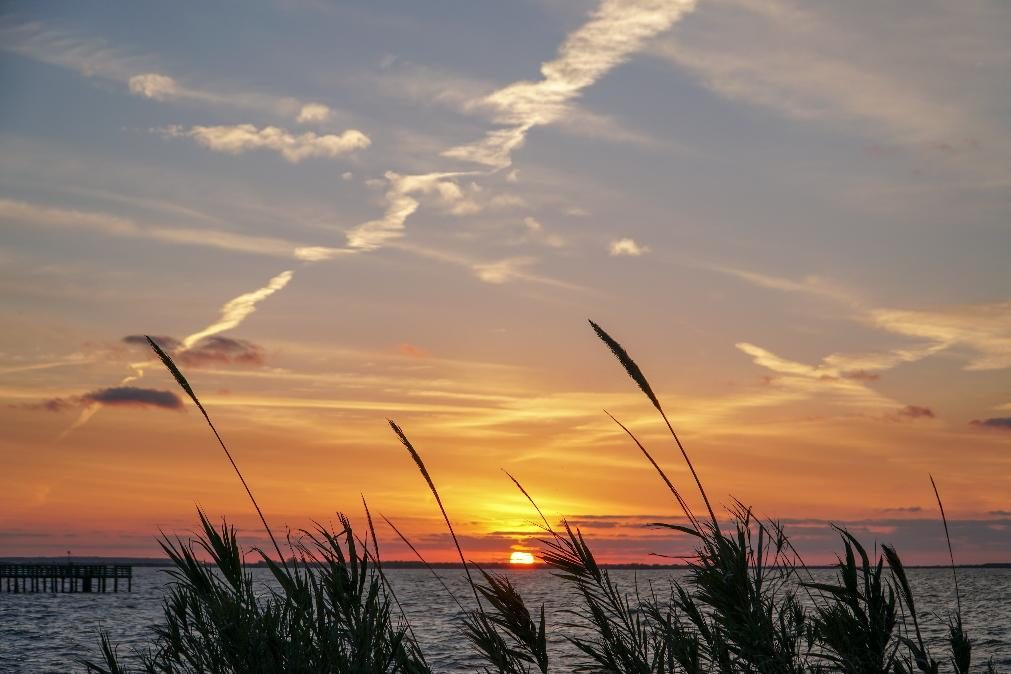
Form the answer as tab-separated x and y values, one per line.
796	216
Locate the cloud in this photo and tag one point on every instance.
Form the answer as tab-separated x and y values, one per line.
239	138
313	113
153	85
161	87
814	63
93	57
615	31
426	85
168	344
809	285
205	348
808	380
88	56
400	204
120	396
916	412
502	271
113	225
994	423
319	253
844	375
628	247
114	396
208	352
50	405
536	233
235	311
499	271
217	350
983	328
860	375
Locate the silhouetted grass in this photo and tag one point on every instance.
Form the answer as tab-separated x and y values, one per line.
737	612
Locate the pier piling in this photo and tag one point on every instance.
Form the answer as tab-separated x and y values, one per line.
53	578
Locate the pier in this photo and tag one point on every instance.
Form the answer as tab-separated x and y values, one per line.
65	577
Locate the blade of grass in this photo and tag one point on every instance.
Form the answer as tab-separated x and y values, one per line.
947	538
637	376
961	646
663	475
185	385
529	498
435	492
379	567
422	559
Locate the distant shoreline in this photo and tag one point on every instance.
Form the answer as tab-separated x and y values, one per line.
409	564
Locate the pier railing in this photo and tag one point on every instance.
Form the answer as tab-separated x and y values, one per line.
65	577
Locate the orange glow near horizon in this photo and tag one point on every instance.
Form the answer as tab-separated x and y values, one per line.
520	558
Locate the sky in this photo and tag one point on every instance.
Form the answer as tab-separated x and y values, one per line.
795	216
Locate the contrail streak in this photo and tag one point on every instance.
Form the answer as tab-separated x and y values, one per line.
235	311
232	314
614	32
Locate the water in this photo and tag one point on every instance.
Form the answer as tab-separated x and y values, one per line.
50	632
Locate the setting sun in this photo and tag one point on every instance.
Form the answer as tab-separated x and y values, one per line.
521	558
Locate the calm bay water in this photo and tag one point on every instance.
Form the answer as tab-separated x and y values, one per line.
50	633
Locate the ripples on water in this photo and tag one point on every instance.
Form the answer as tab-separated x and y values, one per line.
50	632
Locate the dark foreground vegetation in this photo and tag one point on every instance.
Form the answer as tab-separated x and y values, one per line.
748	605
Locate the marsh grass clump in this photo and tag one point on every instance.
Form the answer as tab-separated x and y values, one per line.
748	605
331	613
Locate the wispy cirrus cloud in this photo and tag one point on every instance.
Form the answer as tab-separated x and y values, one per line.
401	202
831	376
25	213
87	55
814	63
537	233
240	138
161	87
94	57
502	271
979	333
984	329
616	30
517	268
430	86
809	285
